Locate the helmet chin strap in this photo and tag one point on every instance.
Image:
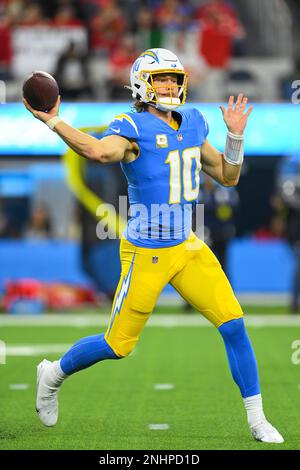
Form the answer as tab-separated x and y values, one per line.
163	106
166	107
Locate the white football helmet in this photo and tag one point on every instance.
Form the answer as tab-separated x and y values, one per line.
156	61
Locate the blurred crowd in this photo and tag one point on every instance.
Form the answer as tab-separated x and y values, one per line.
205	34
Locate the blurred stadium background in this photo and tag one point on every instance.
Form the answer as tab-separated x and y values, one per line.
50	258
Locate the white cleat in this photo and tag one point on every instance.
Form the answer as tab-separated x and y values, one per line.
265	432
46	398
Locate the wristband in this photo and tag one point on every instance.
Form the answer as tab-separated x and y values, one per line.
234	149
51	123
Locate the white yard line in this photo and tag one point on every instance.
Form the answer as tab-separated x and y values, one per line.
163	386
157	320
159	427
18	386
36	349
60	319
251	298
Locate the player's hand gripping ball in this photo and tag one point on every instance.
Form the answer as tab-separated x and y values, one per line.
41	91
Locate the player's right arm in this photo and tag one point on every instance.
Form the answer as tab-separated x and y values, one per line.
109	149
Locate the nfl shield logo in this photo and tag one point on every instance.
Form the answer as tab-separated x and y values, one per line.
154	259
179	137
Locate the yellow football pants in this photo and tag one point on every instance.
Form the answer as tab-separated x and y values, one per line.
190	267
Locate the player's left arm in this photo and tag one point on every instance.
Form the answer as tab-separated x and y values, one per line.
225	167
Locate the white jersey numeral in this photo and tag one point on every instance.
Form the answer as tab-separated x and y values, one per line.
178	177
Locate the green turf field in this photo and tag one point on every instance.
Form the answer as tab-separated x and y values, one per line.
112	404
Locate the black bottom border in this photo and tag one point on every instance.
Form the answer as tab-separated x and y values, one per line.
138	458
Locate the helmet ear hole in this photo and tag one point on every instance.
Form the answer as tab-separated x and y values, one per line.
138	97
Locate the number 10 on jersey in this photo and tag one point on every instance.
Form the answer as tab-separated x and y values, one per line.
181	170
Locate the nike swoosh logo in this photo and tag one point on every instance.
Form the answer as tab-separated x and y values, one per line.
116	130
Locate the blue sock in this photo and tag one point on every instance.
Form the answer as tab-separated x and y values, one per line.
241	357
85	352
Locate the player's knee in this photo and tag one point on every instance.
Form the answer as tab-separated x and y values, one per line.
233	328
123	350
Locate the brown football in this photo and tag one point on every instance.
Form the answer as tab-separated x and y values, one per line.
41	91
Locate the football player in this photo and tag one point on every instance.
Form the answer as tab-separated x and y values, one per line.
162	148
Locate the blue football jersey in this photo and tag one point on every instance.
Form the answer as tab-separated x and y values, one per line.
163	181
